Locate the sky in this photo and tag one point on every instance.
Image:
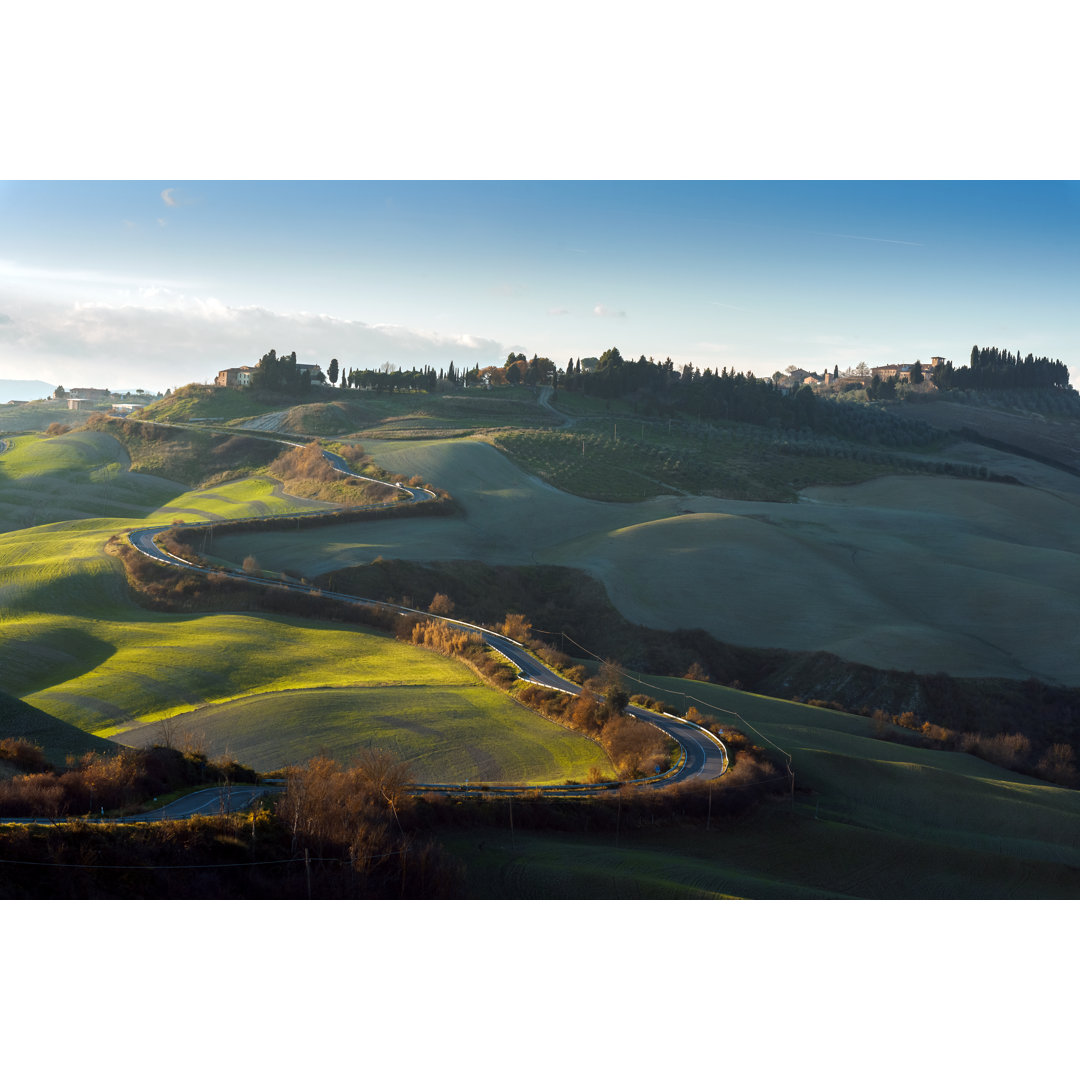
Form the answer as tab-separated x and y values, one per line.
156	283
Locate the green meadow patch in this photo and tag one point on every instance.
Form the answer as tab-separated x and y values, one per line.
73	646
78	475
251	497
76	649
446	733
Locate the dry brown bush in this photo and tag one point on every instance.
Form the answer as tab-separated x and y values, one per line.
516	627
1058	764
23	754
303	463
362	811
635	748
441	604
93	782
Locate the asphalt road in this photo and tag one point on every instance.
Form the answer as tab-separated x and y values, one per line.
218	800
703	755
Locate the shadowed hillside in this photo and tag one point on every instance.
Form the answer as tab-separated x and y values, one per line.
922	572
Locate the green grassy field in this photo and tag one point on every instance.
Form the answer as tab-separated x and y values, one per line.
81	474
446	733
256	496
897	565
73	644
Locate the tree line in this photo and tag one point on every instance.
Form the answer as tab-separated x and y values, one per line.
999	369
728	395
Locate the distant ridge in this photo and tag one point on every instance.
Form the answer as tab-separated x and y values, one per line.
24	390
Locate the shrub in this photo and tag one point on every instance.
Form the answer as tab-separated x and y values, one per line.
1057	764
94	782
516	627
23	754
441	604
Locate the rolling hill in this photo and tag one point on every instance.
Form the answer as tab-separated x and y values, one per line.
922	573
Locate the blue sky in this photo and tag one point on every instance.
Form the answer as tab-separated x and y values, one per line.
157	283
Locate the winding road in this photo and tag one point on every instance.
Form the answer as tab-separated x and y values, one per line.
702	757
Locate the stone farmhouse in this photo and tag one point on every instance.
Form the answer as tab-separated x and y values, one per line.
235	376
241	376
903	371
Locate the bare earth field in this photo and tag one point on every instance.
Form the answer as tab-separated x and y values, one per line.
922	573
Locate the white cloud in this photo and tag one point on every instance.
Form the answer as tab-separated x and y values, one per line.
558	311
604	312
169	197
163	338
